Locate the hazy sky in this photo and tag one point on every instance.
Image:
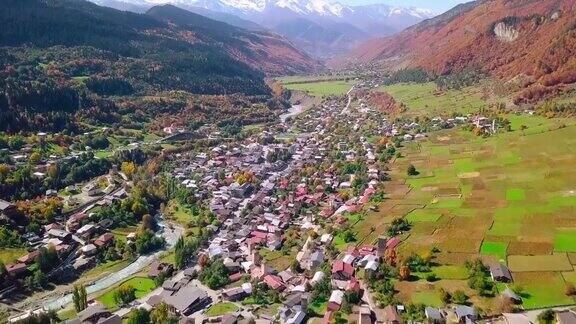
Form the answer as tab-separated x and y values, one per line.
436	5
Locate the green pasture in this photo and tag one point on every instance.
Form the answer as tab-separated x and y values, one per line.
496	249
220	309
143	287
481	196
425	99
323	88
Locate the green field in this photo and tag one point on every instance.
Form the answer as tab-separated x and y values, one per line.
542	289
496	249
424	99
323	88
427	298
143	287
421	215
10	255
508	197
565	240
220	309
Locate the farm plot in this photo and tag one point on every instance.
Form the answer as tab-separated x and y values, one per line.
323	88
506	198
425	99
532	263
542	289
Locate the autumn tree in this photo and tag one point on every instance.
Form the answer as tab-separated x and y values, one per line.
35	158
128	168
390	257
404	272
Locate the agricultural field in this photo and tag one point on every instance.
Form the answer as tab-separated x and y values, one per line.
507	198
323	88
424	99
142	285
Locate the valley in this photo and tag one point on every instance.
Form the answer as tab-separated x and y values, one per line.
177	163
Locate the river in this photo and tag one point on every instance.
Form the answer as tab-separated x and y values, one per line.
292	111
170	235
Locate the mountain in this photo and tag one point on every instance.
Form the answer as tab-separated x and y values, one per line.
529	40
65	61
78	22
260	49
215	15
322	28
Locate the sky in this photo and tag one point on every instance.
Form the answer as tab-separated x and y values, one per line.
436	5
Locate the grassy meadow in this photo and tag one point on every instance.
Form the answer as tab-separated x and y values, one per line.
424	99
323	88
507	198
142	285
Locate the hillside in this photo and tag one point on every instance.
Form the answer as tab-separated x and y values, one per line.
65	61
261	50
531	41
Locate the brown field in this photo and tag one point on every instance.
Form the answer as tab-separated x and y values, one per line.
542	263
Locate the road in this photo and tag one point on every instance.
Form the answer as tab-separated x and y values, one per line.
345	110
170	235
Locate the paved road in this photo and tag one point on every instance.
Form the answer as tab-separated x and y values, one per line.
170	235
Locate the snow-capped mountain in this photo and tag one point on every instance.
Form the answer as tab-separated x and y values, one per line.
321	27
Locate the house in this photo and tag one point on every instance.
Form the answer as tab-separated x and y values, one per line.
97	314
318	276
391	315
188	300
434	315
465	314
335	300
297	318
566	317
29	258
500	272
86	231
59	234
160	268
381	247
104	240
235	276
243	191
16	269
364	315
353	285
342	270
316	260
89	250
274	282
234	294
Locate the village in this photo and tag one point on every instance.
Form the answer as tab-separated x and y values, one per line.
289	193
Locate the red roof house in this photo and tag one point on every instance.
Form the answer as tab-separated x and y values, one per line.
274	282
342	271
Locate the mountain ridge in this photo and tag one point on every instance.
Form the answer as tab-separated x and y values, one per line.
344	27
533	40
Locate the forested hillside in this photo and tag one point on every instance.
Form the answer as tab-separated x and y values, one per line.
62	56
531	44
